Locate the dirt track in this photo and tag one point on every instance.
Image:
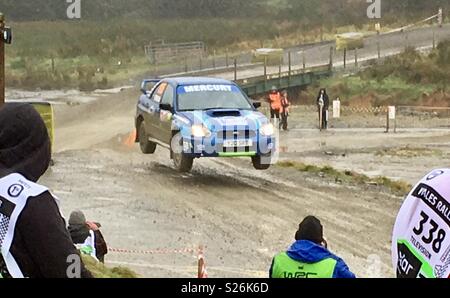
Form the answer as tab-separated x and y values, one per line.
242	216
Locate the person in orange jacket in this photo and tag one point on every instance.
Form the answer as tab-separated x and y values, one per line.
285	104
275	103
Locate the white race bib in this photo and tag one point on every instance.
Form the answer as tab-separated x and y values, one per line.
421	237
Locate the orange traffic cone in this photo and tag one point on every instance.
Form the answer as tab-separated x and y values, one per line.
129	142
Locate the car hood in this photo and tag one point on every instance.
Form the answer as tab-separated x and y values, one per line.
216	120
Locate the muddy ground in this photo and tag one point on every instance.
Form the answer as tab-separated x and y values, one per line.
242	216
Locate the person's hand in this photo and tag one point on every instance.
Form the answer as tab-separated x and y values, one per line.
92	226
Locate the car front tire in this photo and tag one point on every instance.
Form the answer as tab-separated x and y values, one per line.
261	162
147	146
182	162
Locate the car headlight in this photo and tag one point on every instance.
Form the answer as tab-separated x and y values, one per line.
200	131
267	130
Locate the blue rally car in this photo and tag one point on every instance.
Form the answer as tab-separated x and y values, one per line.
202	117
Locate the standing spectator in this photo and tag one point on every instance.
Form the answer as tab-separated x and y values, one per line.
275	103
309	257
323	104
285	104
34	240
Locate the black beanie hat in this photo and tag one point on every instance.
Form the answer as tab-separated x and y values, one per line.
24	142
310	229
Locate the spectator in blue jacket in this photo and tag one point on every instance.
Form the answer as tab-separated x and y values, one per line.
309	257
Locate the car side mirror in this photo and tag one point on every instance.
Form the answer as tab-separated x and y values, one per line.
257	104
144	91
165	107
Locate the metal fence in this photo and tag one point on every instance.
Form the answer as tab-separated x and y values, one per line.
376	47
160	52
406	118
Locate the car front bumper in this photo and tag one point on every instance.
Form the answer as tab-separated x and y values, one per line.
215	146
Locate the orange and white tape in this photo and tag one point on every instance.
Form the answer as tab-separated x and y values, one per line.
154	251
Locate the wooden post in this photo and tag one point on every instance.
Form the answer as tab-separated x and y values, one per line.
331	58
279	72
53	64
235	69
345	58
201	63
304	59
2	61
379	50
434	39
226	58
387	120
356	57
185	64
265	68
290	69
406	40
214	59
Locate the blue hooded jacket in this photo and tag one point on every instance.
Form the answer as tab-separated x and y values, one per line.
308	252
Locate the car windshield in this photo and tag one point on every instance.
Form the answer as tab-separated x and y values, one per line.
211	96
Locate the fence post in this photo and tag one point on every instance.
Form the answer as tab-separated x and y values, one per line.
265	68
387	120
201	63
279	72
235	69
185	64
226	57
304	60
356	57
345	58
406	40
434	39
378	45
331	58
214	59
53	64
290	69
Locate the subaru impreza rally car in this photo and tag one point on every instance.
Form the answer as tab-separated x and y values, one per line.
202	117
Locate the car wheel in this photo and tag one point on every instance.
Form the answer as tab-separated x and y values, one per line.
261	162
183	163
147	147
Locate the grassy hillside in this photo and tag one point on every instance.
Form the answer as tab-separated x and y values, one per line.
51	52
407	79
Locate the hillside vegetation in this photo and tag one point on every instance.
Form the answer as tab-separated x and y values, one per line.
408	79
105	47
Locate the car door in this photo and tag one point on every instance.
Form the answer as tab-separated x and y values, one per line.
165	124
152	119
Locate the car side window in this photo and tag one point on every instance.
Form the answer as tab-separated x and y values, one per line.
168	96
157	95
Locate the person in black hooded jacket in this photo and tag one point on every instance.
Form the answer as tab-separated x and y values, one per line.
41	246
80	230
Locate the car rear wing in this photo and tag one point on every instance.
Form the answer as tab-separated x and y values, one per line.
148	85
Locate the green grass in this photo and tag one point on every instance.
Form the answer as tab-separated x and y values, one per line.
409	152
406	79
397	187
391	90
99	270
79	48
